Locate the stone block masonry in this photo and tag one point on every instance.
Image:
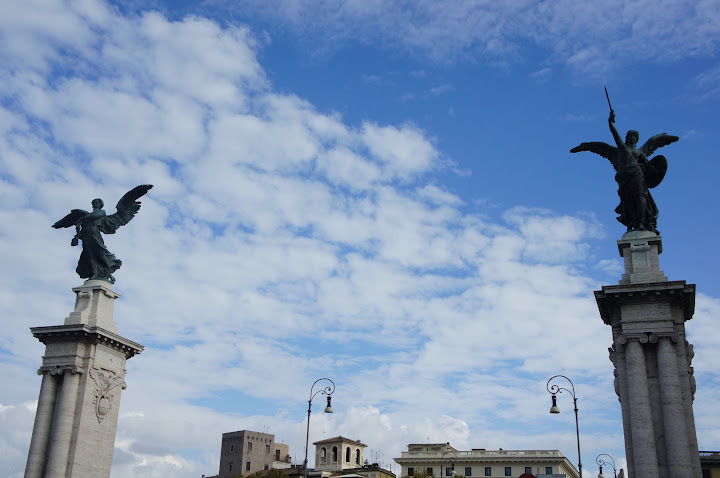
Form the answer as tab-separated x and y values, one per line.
653	373
83	375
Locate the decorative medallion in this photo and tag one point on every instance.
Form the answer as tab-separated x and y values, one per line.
105	383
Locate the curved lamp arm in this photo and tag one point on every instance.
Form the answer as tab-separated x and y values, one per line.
602	462
554	389
442	458
326	390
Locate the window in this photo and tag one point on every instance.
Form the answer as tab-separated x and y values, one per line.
267	467
335	454
488	471
411	471
548	470
249	446
468	471
357	456
232	447
230	467
247	466
430	472
347	455
323	455
267	449
508	471
448	471
528	469
277	455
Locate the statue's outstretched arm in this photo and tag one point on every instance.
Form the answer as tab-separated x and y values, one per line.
611	122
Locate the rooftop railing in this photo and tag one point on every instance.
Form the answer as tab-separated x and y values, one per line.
481	453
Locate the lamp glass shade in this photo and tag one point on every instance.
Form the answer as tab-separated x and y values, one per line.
554	408
329	408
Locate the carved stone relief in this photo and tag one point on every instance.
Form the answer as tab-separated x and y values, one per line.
105	382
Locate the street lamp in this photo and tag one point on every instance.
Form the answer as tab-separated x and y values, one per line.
327	390
442	457
602	462
555	389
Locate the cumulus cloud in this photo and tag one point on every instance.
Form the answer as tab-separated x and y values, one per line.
280	244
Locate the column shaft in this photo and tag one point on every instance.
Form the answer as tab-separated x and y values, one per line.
673	409
645	454
687	385
42	427
622	384
62	429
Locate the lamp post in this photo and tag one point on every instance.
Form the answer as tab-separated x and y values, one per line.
327	390
602	462
554	390
442	457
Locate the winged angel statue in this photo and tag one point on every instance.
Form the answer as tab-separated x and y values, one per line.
635	175
96	262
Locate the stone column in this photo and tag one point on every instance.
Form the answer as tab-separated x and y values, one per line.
617	357
83	376
654	380
641	428
687	385
673	416
43	423
62	426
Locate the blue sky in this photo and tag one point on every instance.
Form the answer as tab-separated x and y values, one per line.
377	192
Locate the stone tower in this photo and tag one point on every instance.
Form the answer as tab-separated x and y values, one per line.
653	374
246	452
338	454
83	372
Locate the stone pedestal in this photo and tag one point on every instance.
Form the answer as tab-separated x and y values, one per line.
653	374
83	372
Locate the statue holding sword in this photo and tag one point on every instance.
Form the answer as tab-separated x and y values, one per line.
635	175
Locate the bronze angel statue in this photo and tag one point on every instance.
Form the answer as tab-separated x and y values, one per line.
635	175
96	262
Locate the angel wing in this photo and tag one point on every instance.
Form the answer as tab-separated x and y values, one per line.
97	377
657	141
127	207
70	219
598	147
115	381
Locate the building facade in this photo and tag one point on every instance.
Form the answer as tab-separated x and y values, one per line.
368	471
245	452
442	460
338	454
710	464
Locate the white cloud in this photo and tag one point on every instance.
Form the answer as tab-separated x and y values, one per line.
542	74
404	151
347	169
592	37
706	85
279	244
